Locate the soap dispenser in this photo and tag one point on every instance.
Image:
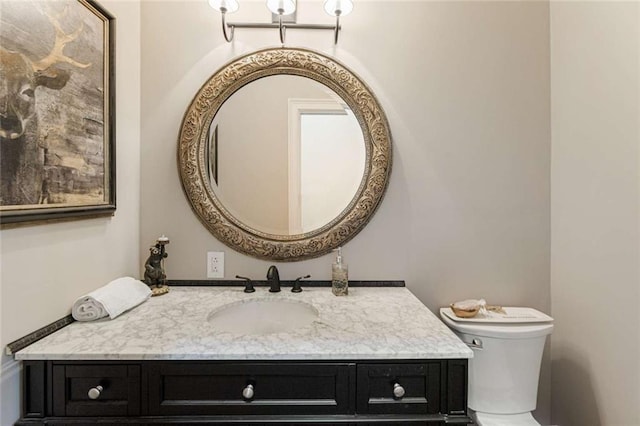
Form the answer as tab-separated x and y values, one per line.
339	276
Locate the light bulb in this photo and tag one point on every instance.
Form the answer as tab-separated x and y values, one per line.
226	6
281	7
338	7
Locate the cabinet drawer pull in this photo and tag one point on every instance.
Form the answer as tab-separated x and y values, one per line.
94	393
247	392
398	390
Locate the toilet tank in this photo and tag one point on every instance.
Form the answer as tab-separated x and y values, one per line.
505	368
503	375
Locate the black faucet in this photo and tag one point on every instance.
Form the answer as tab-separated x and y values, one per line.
274	279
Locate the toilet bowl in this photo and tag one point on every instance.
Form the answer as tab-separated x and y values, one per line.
505	368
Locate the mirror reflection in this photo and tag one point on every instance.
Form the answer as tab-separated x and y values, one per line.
285	155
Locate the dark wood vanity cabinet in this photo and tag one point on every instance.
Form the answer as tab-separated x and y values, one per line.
249	389
119	393
240	392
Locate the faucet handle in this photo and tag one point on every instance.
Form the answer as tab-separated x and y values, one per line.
248	288
296	284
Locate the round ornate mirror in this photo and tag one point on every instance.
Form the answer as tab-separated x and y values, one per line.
284	154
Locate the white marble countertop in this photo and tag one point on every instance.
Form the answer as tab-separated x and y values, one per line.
369	323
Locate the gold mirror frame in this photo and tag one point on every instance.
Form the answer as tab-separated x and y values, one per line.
193	164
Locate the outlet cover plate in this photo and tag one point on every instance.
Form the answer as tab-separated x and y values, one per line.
215	264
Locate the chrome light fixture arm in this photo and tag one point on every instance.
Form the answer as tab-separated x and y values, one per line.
285	26
227	35
283	29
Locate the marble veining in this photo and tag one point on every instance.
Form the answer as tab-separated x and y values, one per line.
370	323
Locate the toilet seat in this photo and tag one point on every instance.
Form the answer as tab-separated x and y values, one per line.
523	419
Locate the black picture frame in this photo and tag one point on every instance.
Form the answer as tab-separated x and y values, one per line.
66	166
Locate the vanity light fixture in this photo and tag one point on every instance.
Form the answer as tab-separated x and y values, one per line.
338	8
224	7
281	8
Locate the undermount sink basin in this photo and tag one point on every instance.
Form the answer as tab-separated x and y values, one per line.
262	316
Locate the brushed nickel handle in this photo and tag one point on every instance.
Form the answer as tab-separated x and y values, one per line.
247	392
94	393
398	390
475	344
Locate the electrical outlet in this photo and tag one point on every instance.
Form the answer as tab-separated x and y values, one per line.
215	264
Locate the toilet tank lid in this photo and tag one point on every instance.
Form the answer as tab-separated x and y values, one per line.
511	315
506	329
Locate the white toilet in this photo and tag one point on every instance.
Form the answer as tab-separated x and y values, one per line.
504	370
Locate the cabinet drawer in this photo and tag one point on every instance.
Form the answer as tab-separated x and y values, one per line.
416	386
226	389
116	389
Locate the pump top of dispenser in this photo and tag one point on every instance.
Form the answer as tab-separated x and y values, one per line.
339	256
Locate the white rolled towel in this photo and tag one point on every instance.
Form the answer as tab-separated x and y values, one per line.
112	299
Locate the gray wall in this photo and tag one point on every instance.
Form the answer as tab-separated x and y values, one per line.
465	86
595	256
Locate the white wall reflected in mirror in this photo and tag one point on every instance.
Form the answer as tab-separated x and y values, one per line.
332	165
269	176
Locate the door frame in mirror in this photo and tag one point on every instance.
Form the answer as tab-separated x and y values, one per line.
193	164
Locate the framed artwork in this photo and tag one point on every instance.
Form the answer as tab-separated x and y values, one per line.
57	117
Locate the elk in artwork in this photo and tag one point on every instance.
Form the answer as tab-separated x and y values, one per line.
23	158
